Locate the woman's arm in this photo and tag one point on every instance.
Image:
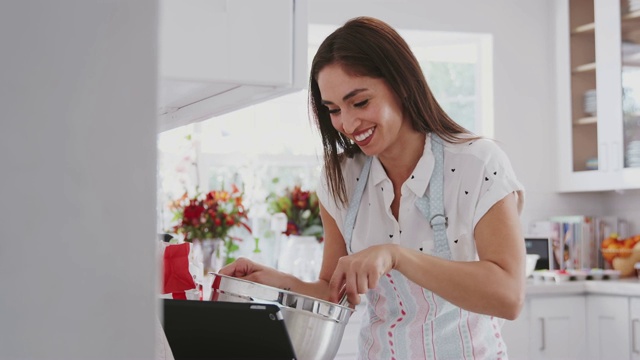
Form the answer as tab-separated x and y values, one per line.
494	285
334	248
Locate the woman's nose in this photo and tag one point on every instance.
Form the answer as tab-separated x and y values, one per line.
350	122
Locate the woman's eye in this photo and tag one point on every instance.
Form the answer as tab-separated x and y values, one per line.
333	111
361	103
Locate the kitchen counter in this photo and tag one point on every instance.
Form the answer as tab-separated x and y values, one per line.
622	287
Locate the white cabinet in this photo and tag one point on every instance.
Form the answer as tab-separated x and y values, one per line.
576	327
598	122
516	334
217	56
608	335
634	331
557	327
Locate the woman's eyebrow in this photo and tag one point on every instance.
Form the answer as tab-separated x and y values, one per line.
351	94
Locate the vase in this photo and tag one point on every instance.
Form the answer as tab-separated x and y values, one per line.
301	256
209	255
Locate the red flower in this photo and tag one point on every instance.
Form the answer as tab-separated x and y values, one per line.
193	211
292	229
300	198
209	215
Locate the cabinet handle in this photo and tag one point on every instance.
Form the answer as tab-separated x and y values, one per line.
633	336
616	153
542	344
603	160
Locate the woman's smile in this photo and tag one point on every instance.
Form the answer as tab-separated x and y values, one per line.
364	137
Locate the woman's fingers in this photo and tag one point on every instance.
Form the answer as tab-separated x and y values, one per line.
240	268
351	287
363	281
336	285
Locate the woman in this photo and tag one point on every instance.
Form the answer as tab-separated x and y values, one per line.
419	215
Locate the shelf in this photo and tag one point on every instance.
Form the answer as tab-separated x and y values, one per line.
586	121
630	21
584	68
584	29
631	60
635	15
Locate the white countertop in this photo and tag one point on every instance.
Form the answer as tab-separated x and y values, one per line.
622	287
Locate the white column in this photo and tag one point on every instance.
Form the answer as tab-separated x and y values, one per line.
77	179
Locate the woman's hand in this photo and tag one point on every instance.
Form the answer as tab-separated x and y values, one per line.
246	269
361	271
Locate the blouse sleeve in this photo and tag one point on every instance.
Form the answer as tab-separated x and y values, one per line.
499	180
325	197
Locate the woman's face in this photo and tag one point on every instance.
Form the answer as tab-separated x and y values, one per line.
363	108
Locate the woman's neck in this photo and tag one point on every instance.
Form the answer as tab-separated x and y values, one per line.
400	160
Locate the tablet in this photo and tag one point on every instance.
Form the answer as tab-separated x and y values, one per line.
225	330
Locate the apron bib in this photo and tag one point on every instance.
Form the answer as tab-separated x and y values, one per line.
406	321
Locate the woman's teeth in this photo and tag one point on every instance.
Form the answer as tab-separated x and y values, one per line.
364	135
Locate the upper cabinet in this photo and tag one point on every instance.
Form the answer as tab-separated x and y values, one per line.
217	56
598	72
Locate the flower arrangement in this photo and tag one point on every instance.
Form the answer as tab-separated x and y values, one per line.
302	209
210	216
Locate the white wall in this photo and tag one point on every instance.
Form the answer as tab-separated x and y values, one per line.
524	66
77	176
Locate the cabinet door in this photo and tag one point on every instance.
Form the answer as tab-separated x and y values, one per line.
634	310
558	328
608	327
596	142
577	93
217	56
221	41
618	83
516	334
628	121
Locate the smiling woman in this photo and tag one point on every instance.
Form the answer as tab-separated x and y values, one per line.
417	211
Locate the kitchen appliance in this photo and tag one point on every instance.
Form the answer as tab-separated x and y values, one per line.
541	246
315	326
530	264
224	330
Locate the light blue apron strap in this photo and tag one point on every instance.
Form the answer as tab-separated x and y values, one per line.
438	219
427	207
354	204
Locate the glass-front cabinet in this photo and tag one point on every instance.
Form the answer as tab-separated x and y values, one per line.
598	72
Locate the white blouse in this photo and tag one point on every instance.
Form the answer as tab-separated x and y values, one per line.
477	175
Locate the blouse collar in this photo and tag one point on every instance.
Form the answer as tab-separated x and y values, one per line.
418	180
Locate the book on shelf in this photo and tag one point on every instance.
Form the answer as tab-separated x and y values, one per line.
575	239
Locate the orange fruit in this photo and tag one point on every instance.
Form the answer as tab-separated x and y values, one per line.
608	241
628	243
611	251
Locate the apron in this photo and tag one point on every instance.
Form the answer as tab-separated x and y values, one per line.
406	321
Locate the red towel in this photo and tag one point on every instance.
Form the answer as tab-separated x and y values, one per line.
176	275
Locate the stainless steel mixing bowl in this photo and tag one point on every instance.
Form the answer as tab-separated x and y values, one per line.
315	326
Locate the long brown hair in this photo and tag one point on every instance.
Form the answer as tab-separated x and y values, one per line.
370	47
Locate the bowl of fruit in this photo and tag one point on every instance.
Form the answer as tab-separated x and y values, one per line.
621	253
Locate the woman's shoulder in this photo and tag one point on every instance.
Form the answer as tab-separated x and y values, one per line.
483	149
353	164
351	167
